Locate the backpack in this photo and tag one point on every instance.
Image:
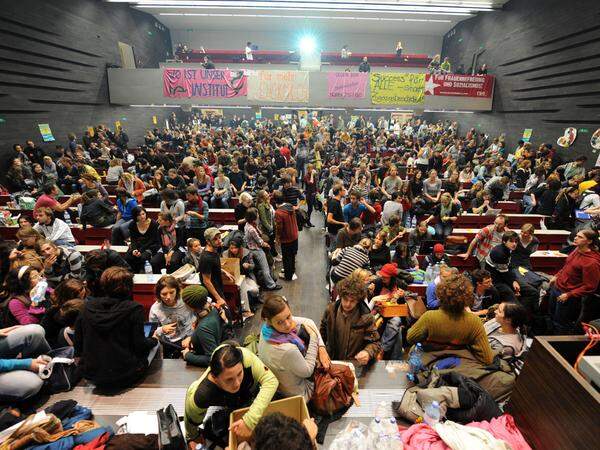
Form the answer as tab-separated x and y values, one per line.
63	375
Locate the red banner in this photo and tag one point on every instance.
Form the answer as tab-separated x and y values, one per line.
450	85
178	83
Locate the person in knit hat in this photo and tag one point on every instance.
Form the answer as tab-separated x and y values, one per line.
438	256
208	332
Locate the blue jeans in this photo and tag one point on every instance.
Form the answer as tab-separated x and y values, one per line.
30	342
220	202
443	230
263	266
391	339
527	204
120	232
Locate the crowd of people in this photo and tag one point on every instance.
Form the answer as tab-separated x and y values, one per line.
388	196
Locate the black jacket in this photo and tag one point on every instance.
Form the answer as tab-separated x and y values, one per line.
98	213
109	338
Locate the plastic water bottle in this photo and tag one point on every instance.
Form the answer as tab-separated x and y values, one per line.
432	414
67	217
428	277
39	292
435	271
415	362
148	268
413	222
375	432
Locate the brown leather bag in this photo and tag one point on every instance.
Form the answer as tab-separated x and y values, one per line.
333	389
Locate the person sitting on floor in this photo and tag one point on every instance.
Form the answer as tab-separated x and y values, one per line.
145	239
437	256
174	319
21	348
276	430
192	254
507	330
290	347
60	263
451	325
109	334
235	378
18	308
348	327
208	328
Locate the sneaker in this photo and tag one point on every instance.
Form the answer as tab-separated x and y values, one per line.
277	287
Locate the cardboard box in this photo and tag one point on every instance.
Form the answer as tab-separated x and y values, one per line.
231	265
294	407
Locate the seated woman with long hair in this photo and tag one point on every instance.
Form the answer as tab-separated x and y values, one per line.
452	325
18	286
290	347
507	330
66	299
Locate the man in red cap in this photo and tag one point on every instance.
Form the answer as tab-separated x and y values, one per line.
438	256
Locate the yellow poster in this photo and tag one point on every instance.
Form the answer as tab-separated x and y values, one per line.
154	120
278	86
389	88
211	112
91	130
117	125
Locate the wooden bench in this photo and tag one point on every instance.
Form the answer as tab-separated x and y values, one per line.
469	220
549	239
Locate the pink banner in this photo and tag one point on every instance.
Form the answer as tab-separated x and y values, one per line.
346	84
451	85
178	83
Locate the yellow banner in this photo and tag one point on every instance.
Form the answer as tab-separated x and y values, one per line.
389	88
278	86
154	120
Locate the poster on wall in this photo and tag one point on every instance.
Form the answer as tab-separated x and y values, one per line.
527	134
391	88
154	120
211	112
46	132
450	85
595	140
401	117
278	86
568	138
215	83
346	84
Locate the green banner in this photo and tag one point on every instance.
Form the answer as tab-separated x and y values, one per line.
389	88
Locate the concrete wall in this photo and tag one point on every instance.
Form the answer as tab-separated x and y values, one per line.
329	42
324	67
144	86
546	58
53	57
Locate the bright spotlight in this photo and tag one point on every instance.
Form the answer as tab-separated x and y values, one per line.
308	44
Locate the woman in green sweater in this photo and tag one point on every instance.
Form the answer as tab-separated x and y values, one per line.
208	332
452	326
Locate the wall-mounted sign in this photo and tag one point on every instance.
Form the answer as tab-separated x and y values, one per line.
46	132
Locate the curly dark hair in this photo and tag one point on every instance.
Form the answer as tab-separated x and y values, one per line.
455	293
351	286
278	431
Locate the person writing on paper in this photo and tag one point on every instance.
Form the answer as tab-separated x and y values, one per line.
236	378
290	346
348	327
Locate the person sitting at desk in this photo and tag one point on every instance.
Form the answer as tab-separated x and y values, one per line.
348	328
235	378
526	246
